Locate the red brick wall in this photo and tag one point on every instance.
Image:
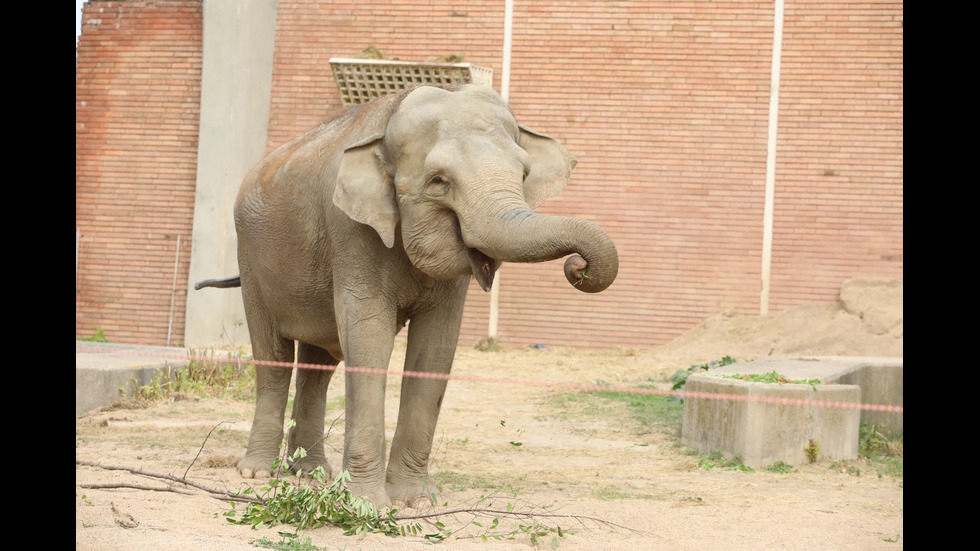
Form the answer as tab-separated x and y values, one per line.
137	97
839	195
664	103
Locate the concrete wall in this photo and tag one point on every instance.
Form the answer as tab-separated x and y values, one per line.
235	85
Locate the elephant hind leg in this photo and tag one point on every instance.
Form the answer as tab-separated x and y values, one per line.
272	392
309	407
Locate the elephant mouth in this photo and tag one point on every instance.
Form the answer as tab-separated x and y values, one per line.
483	267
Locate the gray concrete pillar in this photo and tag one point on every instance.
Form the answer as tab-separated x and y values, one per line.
236	83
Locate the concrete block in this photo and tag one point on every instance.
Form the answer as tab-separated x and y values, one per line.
762	433
101	369
882	382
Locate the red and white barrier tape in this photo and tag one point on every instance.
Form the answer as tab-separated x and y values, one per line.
503	380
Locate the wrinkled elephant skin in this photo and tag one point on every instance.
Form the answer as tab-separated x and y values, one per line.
378	217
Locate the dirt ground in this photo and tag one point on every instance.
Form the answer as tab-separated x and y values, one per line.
614	484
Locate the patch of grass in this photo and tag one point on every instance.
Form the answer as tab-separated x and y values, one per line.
219	375
647	410
780	467
611	494
583	404
184	437
488	344
289	542
459	482
873	442
99	336
842	466
718	460
204	375
883	452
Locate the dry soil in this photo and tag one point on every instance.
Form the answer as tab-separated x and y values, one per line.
613	483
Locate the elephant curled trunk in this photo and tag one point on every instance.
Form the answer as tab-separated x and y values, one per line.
529	237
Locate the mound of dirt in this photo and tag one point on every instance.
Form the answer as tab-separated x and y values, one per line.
867	320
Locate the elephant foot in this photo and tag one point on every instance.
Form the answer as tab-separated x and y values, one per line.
253	466
309	463
373	494
411	494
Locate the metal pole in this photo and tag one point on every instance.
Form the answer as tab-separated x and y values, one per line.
173	292
505	94
777	54
78	239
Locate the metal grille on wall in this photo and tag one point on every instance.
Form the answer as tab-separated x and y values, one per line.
362	80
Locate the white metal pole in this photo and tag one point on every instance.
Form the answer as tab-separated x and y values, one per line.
505	94
173	292
777	54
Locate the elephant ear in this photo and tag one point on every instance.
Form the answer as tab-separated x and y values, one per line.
363	190
550	166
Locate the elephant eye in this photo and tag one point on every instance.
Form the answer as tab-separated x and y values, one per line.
438	186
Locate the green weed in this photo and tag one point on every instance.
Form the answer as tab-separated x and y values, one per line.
99	336
812	450
204	375
885	453
680	376
718	460
780	467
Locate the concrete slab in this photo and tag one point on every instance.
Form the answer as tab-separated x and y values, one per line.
101	369
762	433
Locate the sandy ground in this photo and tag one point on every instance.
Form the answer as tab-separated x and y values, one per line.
614	484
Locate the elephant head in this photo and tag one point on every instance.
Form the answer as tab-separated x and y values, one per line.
456	173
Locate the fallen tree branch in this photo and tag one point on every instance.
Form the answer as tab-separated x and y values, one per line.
200	449
514	514
229	496
220	494
116	485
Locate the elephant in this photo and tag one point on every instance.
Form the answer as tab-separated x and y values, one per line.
376	219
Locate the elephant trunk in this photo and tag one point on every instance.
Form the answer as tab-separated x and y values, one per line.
521	235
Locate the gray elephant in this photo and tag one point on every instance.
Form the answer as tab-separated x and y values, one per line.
375	219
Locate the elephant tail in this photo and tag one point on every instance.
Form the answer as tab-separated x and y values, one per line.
219	283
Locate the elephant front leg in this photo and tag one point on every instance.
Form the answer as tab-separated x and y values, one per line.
364	437
432	343
368	332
